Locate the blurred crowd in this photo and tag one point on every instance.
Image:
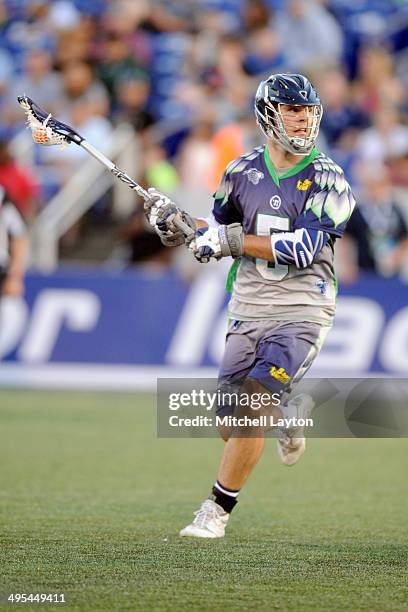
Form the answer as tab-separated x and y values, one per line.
182	75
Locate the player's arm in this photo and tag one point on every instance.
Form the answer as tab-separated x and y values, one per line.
14	281
298	248
258	246
326	214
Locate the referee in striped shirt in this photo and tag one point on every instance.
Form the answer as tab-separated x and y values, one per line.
13	248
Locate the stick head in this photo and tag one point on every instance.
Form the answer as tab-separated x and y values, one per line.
44	128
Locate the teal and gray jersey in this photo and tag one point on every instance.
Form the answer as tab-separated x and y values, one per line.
313	195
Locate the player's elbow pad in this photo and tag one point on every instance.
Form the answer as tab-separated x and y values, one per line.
299	247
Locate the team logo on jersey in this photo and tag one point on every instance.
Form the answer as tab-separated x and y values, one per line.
279	374
275	202
322	286
303	185
254	175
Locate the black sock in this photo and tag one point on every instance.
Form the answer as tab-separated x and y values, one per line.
224	497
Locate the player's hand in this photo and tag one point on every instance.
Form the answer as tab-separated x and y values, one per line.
161	214
214	243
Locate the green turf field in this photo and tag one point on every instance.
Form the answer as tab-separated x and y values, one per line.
91	503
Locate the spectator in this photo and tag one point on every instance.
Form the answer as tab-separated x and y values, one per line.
263	52
144	245
187	73
376	228
340	113
197	154
387	138
230	59
231	95
123	17
62	15
6	71
377	81
93	127
162	18
19	184
159	171
39	80
80	85
398	166
6	82
118	64
132	95
229	142
13	248
76	45
310	35
255	15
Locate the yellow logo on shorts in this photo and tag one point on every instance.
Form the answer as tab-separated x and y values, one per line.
279	374
303	185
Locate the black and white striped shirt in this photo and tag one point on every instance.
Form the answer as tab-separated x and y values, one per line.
11	226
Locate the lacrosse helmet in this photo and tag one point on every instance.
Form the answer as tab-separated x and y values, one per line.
293	90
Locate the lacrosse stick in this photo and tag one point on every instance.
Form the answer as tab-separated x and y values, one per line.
46	130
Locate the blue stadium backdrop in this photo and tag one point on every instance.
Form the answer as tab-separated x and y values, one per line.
85	329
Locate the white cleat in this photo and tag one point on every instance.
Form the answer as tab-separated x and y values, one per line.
291	441
209	522
290	449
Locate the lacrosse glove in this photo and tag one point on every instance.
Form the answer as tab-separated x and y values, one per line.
161	213
214	243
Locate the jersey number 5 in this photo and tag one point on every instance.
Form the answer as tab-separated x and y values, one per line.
264	225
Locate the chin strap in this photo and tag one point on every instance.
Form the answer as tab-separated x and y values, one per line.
299	247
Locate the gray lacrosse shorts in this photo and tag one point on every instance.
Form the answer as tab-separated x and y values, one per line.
275	353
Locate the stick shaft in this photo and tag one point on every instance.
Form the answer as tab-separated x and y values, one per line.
39	116
125	178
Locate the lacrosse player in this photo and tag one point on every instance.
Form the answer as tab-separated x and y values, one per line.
278	212
13	248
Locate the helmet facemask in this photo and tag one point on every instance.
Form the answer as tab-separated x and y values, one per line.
272	124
